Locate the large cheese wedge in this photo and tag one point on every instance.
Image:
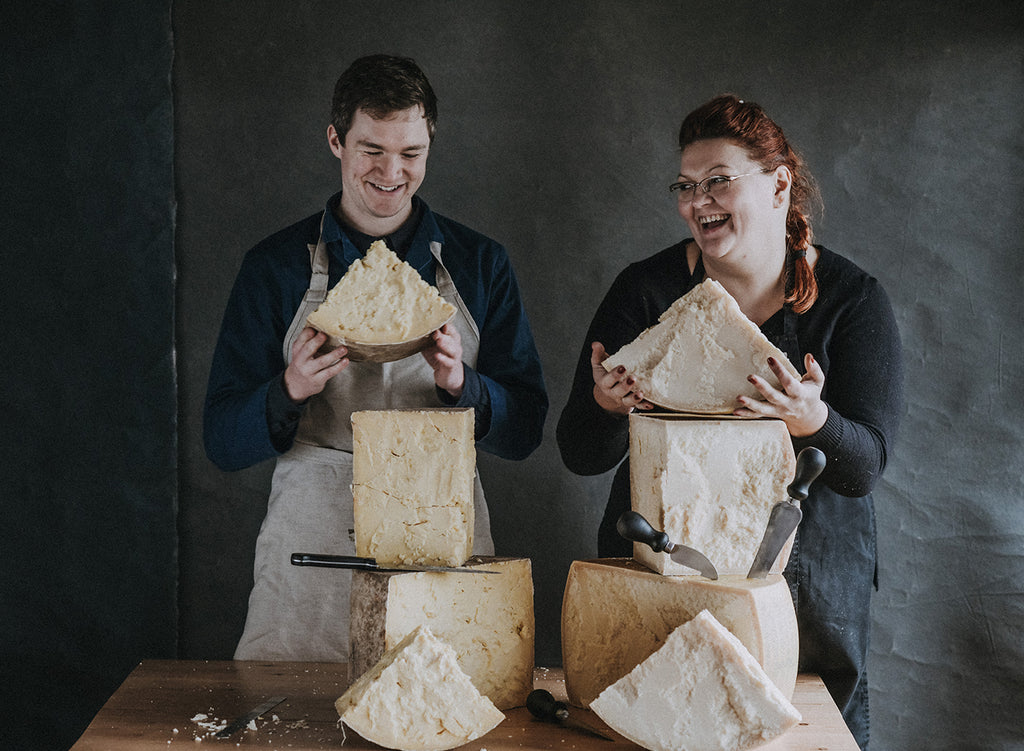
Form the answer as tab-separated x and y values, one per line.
701	691
416	698
616	613
487	619
412	485
698	356
709	484
381	300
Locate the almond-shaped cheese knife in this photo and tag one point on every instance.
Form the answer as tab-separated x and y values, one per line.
543	705
633	526
248	717
786	515
368	564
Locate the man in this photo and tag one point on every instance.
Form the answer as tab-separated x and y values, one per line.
272	394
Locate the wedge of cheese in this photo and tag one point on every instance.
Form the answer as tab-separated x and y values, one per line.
487	619
381	299
699	354
701	691
416	698
616	613
412	485
709	484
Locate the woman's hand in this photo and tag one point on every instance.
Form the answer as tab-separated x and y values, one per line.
445	359
799	402
615	391
308	372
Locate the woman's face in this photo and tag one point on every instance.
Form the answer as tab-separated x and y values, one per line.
738	217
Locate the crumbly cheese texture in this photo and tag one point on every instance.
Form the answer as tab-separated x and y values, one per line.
381	299
709	484
487	619
606	598
417	698
702	691
698	356
412	485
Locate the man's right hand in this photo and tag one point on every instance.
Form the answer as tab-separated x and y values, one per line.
308	373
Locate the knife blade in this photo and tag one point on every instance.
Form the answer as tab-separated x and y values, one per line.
633	526
243	720
785	515
543	705
369	564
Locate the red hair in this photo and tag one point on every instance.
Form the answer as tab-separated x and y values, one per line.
746	124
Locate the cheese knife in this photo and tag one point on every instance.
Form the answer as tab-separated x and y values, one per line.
369	564
233	727
544	706
786	515
633	526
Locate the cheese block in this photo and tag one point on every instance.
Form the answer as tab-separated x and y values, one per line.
412	485
416	698
701	691
709	484
381	299
698	356
487	619
616	613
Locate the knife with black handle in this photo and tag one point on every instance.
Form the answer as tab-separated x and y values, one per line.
369	564
633	526
543	705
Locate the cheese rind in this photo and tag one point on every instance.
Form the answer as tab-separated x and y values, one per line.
381	299
709	484
417	698
487	619
616	613
698	356
701	691
412	485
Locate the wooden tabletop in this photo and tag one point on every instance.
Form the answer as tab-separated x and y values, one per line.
181	704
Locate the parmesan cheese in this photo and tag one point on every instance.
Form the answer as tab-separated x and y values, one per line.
699	354
616	613
701	691
417	698
709	484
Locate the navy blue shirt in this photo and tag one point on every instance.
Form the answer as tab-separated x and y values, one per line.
507	384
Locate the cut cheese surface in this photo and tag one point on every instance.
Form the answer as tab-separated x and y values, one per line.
701	691
709	484
381	299
416	698
487	620
412	485
616	613
699	354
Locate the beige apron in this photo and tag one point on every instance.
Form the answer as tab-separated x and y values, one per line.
300	612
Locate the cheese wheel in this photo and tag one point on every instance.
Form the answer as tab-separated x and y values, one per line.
412	485
616	613
487	619
417	698
699	354
709	484
701	691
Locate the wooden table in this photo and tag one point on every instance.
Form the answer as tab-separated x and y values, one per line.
180	704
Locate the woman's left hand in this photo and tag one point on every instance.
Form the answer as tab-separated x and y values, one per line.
798	403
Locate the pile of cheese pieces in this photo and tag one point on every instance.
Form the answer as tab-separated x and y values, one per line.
666	657
434	657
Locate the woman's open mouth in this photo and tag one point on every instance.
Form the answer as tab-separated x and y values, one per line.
712	221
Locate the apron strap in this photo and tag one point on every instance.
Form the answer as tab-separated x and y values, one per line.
316	294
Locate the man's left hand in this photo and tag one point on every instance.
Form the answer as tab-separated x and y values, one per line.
445	358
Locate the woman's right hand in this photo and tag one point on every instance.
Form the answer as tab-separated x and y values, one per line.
616	391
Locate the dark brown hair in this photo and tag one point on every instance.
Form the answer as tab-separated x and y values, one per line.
746	124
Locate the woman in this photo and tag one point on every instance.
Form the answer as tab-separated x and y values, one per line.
745	196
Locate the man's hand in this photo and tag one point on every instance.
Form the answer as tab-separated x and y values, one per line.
445	358
308	373
615	391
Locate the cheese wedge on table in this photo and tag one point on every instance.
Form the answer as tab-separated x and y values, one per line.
381	299
701	691
699	354
417	698
487	619
412	485
709	484
616	613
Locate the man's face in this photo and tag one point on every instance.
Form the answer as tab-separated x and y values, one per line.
383	163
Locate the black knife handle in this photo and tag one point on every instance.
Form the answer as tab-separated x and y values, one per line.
809	464
544	706
633	526
334	561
